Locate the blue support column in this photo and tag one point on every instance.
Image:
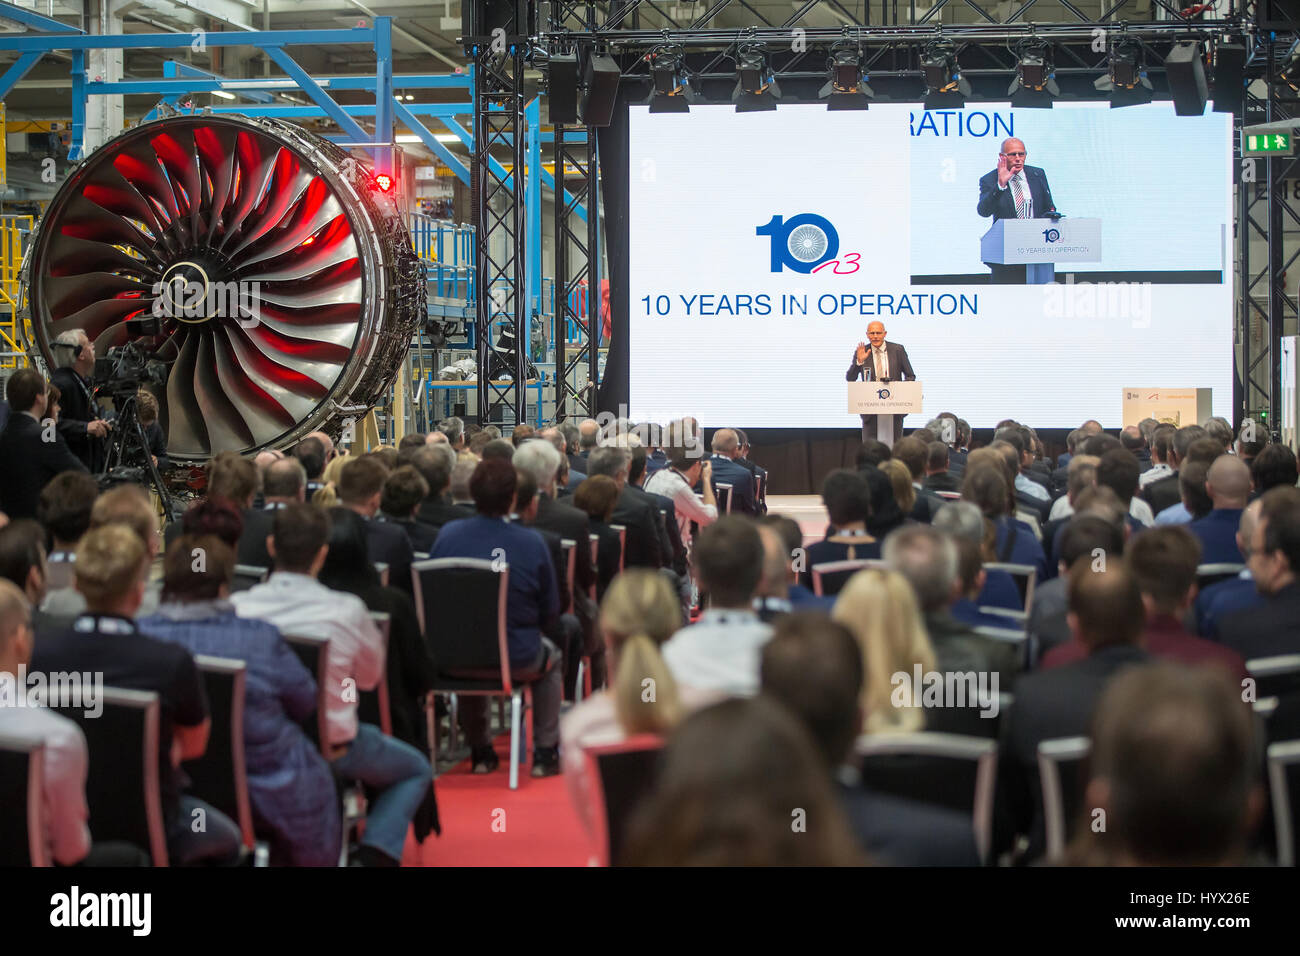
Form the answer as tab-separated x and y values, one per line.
77	146
318	95
385	158
533	204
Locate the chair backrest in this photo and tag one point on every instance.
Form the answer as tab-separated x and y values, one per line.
569	548
1030	518
722	491
220	776
760	488
830	577
1284	790
595	564
248	575
1275	676
1025	575
373	705
461	603
1061	766
122	781
622	775
382	570
1208	574
22	824
944	769
622	544
314	654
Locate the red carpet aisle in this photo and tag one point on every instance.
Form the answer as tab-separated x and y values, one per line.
540	826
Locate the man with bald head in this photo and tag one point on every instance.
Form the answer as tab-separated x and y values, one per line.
1228	484
1014	190
326	442
726	449
284	481
1235	594
588	436
880	361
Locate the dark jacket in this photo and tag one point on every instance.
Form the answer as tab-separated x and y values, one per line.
28	462
635	511
77	407
1267	630
436	511
1000	203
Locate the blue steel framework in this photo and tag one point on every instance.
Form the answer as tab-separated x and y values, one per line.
181	79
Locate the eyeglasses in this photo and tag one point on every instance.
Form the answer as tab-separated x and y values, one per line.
1014	154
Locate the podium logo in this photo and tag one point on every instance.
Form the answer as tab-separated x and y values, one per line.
1052	235
801	243
882	393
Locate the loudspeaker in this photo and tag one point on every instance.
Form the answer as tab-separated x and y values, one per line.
562	88
1185	70
478	18
600	89
1229	76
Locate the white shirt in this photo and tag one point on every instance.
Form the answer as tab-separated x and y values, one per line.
1024	191
299	604
64	794
880	356
720	652
1154	473
1139	509
686	503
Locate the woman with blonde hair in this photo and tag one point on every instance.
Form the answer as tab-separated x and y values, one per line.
326	496
901	480
881	611
639	613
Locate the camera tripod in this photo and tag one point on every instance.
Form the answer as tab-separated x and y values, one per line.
126	441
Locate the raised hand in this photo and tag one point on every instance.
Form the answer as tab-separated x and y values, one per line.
861	353
1004	171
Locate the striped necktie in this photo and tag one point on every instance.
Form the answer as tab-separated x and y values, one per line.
1022	210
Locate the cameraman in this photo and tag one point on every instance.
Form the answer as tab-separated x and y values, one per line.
81	424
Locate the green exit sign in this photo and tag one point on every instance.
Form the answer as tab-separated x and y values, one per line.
1267	144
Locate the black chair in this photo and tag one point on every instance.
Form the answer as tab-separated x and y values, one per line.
22	824
1209	574
622	544
1061	769
122	781
722	494
1284	790
247	576
829	577
1275	676
1025	576
313	652
461	603
220	776
381	568
372	705
946	770
621	776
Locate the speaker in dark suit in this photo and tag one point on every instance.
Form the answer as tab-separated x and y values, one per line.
880	362
1014	191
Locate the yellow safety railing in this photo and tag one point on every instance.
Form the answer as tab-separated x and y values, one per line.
13	231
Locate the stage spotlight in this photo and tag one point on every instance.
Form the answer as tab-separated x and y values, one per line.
846	88
756	88
1126	80
1290	72
1185	71
946	87
1034	87
671	92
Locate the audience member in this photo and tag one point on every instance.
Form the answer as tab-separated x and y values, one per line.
779	590
720	651
1162	440
1088	536
1107	617
1236	593
725	471
404	491
707	811
1164	492
32	449
646	542
1228	485
436	463
295	601
937	476
283	483
290	786
847	498
1175	768
1273	627
64	511
110	575
986	487
532	612
815	669
1274	465
361	488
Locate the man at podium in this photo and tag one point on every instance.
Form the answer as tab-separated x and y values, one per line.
1014	191
880	362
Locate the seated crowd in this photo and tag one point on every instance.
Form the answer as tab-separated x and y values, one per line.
650	596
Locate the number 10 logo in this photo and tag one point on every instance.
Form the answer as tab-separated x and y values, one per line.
802	243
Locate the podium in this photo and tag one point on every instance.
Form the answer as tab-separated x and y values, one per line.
884	399
1039	244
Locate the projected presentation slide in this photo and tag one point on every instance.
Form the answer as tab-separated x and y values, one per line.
762	245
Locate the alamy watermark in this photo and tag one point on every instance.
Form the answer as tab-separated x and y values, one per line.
72	689
1098	300
957	689
192	297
